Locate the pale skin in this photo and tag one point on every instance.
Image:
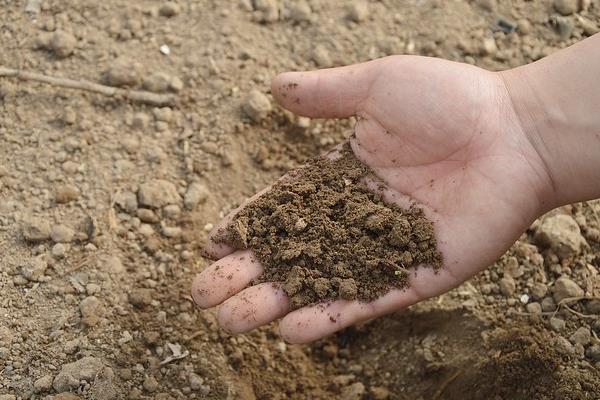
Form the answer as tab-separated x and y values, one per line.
484	153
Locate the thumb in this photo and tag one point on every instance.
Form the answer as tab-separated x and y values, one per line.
327	93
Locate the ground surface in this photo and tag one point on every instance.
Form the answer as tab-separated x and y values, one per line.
97	256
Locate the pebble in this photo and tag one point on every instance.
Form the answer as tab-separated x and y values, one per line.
582	336
488	47
593	352
593	307
563	346
62	234
566	7
66	193
147	215
158	82
195	194
140	297
507	286
379	393
36	230
164	114
196	382
266	10
548	304
157	193
59	250
73	373
353	392
91	310
557	324
513	268
171	211
34	269
589	27
169	9
565	27
256	105
62	44
565	288
524	26
539	291
299	11
171	231
150	384
534	308
43	384
114	265
358	11
321	57
560	233
122	73
127	201
165	49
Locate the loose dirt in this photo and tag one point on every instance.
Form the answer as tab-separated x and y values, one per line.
323	234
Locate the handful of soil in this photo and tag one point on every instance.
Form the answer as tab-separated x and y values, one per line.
322	234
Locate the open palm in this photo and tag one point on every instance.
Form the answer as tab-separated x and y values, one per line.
441	133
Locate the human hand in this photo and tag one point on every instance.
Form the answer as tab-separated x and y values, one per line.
442	133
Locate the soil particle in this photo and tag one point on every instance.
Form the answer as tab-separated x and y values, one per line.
66	193
560	233
379	393
62	44
157	193
91	310
557	324
36	230
34	269
169	9
324	235
593	306
266	10
147	215
158	82
565	288
358	11
581	336
507	285
353	392
593	352
122	73
534	308
195	194
150	384
61	234
299	11
140	297
71	374
566	7
256	105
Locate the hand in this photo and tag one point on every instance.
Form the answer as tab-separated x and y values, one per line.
443	133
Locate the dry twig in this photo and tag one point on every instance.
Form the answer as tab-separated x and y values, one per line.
140	96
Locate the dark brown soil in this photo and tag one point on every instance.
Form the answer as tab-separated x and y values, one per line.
325	235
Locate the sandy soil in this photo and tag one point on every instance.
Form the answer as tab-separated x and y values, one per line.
105	204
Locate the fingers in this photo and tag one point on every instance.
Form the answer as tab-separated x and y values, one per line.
315	322
253	307
225	278
328	93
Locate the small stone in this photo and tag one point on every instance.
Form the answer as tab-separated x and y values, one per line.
348	289
589	27
539	291
36	230
165	49
127	201
266	10
534	308
164	114
582	336
171	211
257	106
140	297
513	268
353	392
557	324
548	304
150	384
114	265
593	307
146	230
299	11
158	82
561	234
34	269
379	393
196	193
321	57
563	346
524	26
196	382
488	47
43	384
122	72
565	288
157	193
593	352
358	11
59	250
507	286
62	44
566	7
62	234
565	27
147	215
169	9
91	310
171	231
73	373
176	84
66	193
92	289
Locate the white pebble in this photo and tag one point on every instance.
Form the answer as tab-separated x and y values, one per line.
165	49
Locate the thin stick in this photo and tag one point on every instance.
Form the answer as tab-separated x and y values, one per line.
438	393
140	96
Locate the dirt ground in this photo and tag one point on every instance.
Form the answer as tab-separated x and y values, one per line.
105	204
